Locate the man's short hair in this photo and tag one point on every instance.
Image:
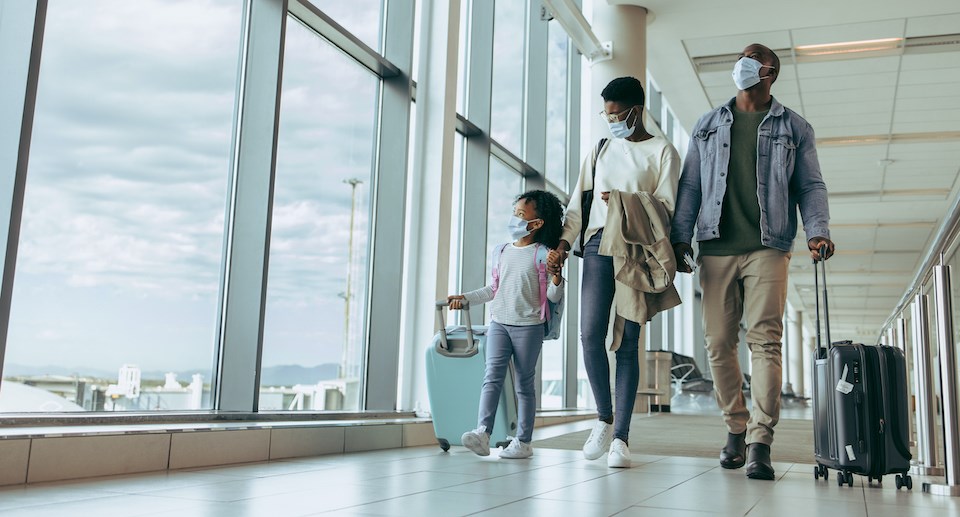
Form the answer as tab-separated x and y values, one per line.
624	90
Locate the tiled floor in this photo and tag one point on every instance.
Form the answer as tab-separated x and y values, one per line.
424	481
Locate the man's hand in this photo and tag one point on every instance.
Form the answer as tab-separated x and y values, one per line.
455	301
679	250
816	243
557	257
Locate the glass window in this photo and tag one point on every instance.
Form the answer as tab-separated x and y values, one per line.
313	343
504	187
116	296
506	103
360	17
462	62
557	95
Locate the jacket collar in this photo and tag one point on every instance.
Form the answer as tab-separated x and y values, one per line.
776	109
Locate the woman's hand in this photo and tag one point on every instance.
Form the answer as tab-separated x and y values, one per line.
555	260
455	301
605	196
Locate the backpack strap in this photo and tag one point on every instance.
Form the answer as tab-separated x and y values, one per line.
495	269
541	258
586	197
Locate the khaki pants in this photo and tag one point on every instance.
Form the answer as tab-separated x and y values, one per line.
752	287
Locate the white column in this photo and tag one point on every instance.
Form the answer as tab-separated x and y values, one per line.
626	27
797	354
427	259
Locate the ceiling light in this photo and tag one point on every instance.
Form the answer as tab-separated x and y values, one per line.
872	45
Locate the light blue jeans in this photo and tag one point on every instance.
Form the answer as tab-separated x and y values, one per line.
596	295
523	344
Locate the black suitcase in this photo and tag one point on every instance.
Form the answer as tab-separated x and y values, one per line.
860	415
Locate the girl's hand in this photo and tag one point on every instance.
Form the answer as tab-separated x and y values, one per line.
557	279
454	301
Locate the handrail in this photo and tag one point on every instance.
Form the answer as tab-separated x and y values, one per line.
946	234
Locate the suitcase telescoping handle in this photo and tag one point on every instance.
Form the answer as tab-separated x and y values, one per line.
443	324
821	350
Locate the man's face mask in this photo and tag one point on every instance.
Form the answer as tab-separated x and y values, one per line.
746	73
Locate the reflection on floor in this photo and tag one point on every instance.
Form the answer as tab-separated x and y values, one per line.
426	481
697	403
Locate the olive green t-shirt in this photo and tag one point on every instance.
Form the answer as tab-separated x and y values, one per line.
740	214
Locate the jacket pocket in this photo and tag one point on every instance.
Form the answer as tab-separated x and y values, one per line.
784	156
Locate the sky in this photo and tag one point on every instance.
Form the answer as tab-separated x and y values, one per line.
123	225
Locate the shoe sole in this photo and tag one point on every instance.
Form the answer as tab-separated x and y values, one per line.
473	443
733	466
761	474
619	464
516	457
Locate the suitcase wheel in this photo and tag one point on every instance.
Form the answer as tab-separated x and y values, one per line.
904	481
444	444
821	472
844	477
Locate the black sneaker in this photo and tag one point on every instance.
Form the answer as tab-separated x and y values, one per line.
733	454
758	462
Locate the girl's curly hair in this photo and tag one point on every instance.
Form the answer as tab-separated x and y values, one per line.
549	209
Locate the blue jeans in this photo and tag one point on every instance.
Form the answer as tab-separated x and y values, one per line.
597	298
523	344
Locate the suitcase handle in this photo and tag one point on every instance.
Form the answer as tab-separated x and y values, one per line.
443	325
821	350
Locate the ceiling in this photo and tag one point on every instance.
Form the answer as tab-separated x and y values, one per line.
887	124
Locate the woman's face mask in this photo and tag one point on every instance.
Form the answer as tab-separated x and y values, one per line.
746	73
619	128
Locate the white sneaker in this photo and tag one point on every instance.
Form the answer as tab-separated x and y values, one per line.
517	450
599	440
619	456
477	441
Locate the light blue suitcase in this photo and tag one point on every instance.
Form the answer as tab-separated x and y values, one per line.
455	368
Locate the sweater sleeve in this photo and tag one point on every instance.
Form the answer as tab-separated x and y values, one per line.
480	296
555	292
573	218
669	178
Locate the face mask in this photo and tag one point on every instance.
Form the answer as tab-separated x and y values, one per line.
746	73
620	129
518	227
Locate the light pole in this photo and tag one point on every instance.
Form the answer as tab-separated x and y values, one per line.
348	295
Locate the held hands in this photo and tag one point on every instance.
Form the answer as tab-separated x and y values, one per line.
680	250
455	301
816	243
556	258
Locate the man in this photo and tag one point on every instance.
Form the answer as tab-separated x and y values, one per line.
750	164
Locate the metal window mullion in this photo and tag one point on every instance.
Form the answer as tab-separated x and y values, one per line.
388	209
535	96
572	344
21	38
477	150
252	170
330	30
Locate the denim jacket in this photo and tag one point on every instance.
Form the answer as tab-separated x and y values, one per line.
788	175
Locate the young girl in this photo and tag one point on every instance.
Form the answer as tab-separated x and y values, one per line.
517	315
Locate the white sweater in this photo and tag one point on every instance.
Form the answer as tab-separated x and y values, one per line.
650	166
517	300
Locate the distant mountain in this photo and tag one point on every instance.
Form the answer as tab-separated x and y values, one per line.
23	370
290	374
282	375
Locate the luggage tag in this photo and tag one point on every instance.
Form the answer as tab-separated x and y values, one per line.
843	386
